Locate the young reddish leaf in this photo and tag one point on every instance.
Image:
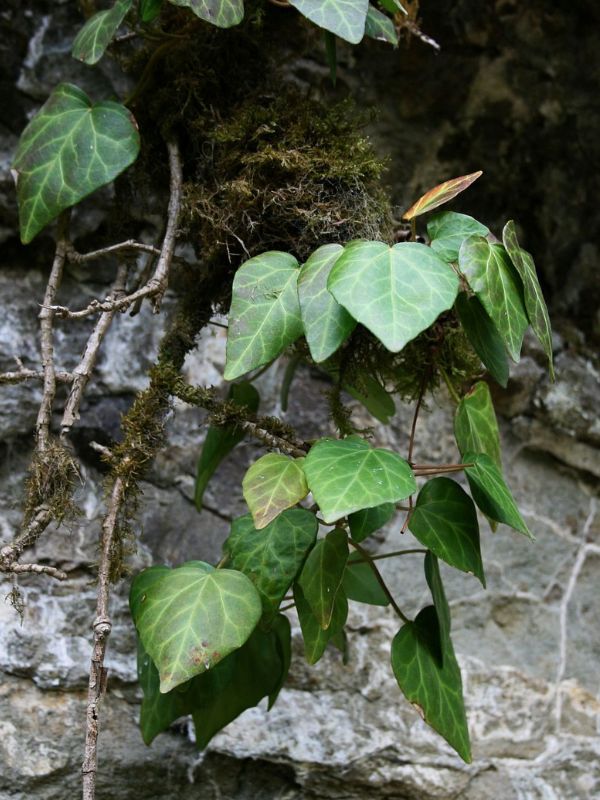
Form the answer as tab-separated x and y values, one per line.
441	194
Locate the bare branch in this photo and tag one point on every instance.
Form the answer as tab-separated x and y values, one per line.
130	244
47	336
22	375
271	440
40	569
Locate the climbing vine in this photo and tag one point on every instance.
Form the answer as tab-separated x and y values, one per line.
294	240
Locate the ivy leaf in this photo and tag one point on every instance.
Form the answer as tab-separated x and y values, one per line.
344	18
222	13
448	230
438	595
315	637
193	617
258	671
326	323
264	317
98	32
492	277
393	6
475	424
365	522
322	574
283	639
220	441
272	484
433	686
273	556
331	55
371	394
441	194
534	299
347	475
380	27
484	336
150	9
69	149
491	493
396	292
445	521
360	583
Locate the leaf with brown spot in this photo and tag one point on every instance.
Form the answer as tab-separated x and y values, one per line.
441	194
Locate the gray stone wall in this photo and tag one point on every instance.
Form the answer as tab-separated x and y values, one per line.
528	646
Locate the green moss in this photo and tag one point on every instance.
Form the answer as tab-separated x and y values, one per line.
51	481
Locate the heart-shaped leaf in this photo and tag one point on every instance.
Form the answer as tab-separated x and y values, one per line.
371	394
534	299
322	574
98	32
492	277
438	595
364	523
315	637
434	688
345	18
70	148
380	27
441	194
448	230
220	441
264	317
222	13
484	336
445	521
194	616
326	323
273	556
491	493
272	484
347	475
475	424
396	292
360	583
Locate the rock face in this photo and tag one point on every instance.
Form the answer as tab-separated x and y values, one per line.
528	646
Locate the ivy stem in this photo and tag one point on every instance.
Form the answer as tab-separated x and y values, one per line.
287	608
223	561
393	554
453	393
434	469
370	561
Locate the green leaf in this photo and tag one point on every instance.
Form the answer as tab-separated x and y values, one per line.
360	583
393	6
141	582
491	493
434	687
475	424
258	671
315	637
365	522
331	54
371	394
445	521
436	587
70	148
222	13
273	556
484	336
396	292
345	18
326	323
150	9
194	616
220	441
347	475
380	27
448	230
272	484
534	299
492	277
264	317
283	637
322	574
98	32
288	378
441	194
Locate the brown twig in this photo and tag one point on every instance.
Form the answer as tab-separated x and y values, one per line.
435	469
21	375
40	569
130	244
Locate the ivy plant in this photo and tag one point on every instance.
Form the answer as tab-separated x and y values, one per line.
215	639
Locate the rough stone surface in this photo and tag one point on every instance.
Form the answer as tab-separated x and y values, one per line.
528	646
